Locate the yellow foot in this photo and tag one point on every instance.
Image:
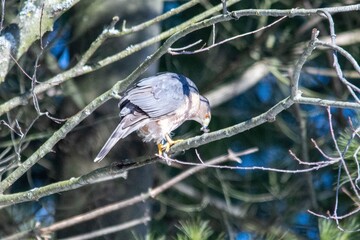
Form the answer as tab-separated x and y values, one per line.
160	149
166	147
170	142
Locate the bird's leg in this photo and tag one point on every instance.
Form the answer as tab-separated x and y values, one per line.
166	143
163	145
160	148
170	142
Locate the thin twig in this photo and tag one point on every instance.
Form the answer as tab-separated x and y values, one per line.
357	180
343	52
40	27
174	52
295	93
317	167
341	153
185	47
320	163
19	133
21	69
335	58
323	153
112	229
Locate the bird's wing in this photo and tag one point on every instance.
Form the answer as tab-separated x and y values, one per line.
160	95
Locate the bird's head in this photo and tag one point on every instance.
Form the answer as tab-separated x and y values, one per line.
204	114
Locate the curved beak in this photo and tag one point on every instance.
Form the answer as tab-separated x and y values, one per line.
205	125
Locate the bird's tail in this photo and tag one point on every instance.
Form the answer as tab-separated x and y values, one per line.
120	132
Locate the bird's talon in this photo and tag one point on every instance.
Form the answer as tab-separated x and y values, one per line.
165	145
172	142
160	149
177	141
167	148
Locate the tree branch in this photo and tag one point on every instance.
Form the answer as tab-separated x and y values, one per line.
112	229
205	138
17	38
113	171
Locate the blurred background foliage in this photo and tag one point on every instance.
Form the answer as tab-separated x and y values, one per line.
258	204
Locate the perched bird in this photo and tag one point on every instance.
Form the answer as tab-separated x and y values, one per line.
155	106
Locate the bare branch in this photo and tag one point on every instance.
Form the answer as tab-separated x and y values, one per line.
316	167
112	229
180	51
98	175
268	116
343	52
324	154
295	93
320	163
336	64
122	204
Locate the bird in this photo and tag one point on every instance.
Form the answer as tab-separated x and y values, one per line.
154	107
